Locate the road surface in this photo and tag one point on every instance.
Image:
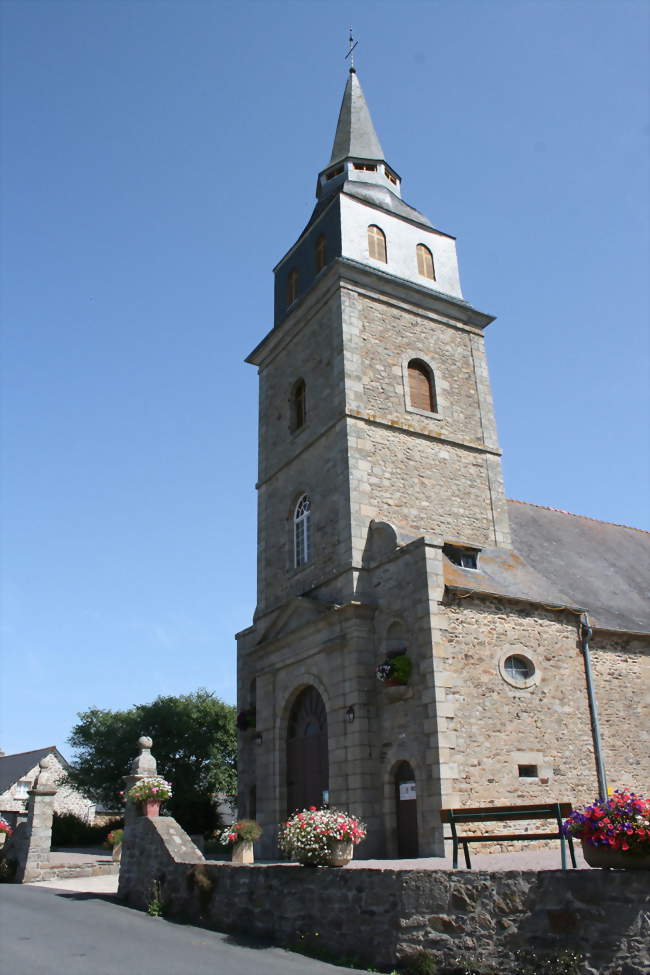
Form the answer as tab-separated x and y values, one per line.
47	932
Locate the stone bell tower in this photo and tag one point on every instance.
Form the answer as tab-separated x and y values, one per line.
377	448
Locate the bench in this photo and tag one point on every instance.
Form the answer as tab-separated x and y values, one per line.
488	814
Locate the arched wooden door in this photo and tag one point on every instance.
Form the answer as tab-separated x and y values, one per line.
307	760
407	811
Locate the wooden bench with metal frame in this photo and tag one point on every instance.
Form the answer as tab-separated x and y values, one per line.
486	814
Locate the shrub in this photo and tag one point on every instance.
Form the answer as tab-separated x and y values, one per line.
69	830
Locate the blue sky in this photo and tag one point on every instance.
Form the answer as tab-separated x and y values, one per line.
160	157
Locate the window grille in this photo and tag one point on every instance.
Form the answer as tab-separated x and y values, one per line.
302	531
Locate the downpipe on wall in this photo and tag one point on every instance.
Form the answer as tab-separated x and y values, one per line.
585	636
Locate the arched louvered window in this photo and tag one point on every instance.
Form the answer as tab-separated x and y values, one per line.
292	286
425	262
320	253
298	405
422	392
377	243
302	531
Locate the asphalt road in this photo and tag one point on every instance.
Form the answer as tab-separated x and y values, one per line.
46	932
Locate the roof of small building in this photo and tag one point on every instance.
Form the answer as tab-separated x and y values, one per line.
565	560
15	767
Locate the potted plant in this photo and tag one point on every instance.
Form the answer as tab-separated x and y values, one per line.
242	835
5	831
614	832
114	840
246	719
396	668
150	793
321	837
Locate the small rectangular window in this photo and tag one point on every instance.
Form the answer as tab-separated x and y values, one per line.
527	771
392	177
365	166
466	558
334	172
21	789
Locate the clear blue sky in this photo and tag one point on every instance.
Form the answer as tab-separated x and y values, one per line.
159	158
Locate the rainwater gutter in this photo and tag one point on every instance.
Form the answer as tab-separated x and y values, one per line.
585	636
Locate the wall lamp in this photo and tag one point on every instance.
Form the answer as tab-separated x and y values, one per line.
349	715
258	738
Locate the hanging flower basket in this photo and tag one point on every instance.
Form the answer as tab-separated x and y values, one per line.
246	719
396	669
615	832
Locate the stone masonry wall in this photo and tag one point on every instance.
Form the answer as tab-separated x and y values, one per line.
378	917
621	669
498	726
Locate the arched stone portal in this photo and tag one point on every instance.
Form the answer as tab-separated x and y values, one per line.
307	758
406	811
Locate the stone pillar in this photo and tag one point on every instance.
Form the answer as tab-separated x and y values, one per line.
33	854
143	767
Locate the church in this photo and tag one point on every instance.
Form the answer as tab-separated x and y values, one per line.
419	641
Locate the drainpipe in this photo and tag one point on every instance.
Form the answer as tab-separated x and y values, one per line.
585	636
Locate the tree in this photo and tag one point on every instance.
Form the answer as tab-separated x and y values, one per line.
194	743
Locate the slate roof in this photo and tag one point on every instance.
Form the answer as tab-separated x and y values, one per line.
560	559
14	767
355	133
603	567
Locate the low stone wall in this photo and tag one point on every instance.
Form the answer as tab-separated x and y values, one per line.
380	916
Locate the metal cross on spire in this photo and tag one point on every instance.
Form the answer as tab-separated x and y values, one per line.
350	53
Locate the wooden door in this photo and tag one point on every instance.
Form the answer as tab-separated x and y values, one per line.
407	812
307	758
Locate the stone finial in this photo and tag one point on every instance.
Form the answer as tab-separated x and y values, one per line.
45	780
145	763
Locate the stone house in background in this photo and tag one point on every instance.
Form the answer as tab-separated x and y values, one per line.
17	776
383	525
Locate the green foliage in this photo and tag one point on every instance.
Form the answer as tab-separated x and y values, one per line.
567	962
401	667
69	830
8	868
420	962
155	907
194	743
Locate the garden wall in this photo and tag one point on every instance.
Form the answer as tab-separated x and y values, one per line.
380	916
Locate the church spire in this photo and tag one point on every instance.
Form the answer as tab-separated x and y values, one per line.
355	133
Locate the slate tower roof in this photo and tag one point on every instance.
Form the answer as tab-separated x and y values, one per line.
355	133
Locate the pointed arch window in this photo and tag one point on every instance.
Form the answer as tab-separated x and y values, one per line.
425	262
320	253
302	531
377	243
292	286
422	389
298	404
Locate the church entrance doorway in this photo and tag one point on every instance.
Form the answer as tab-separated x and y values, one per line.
307	758
407	811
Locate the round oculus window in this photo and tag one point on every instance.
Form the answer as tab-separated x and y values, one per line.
518	669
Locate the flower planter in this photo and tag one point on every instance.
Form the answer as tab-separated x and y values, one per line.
341	852
604	856
242	852
394	682
151	808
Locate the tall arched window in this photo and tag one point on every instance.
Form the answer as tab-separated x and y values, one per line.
377	243
425	262
320	253
302	531
298	404
292	286
422	390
